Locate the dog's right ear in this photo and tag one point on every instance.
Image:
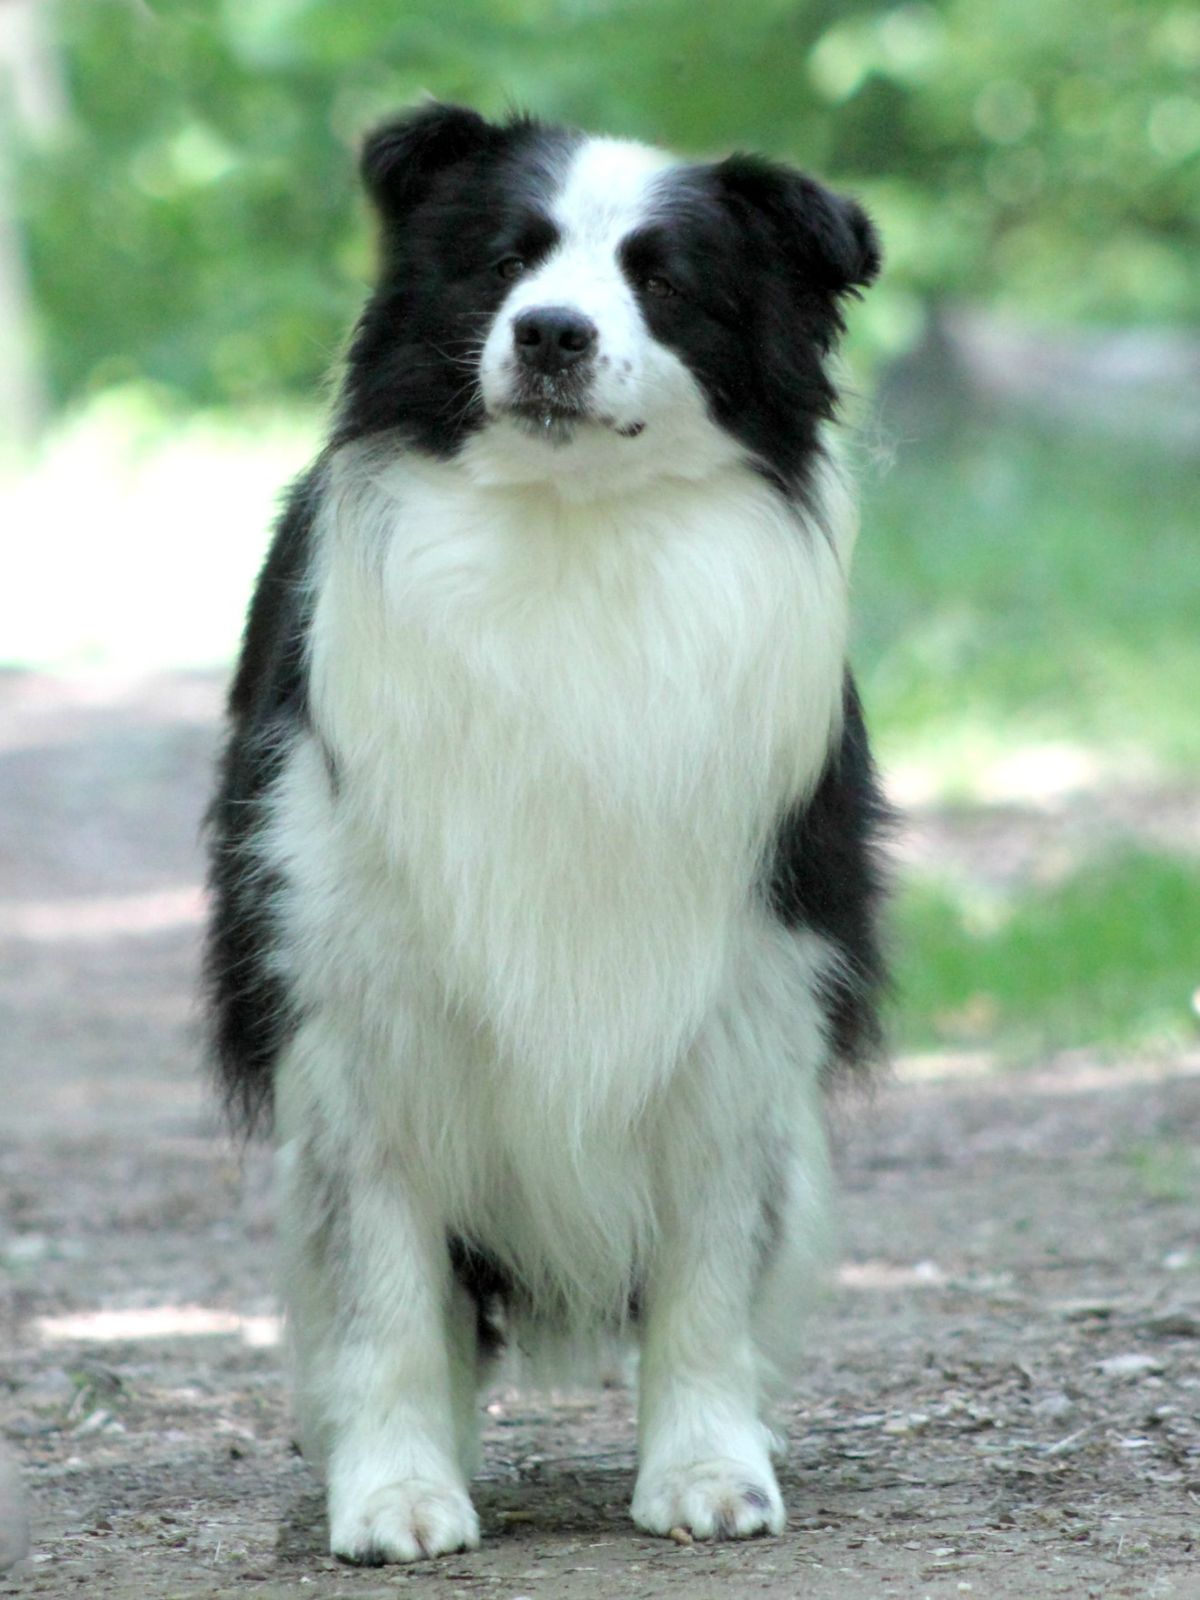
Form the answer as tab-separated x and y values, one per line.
401	158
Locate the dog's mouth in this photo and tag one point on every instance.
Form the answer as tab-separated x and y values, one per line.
558	423
548	417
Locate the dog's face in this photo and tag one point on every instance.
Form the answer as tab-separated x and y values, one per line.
592	313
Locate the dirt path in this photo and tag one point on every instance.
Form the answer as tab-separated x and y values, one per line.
1003	1394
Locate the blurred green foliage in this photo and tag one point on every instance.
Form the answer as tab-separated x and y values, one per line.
194	220
1018	586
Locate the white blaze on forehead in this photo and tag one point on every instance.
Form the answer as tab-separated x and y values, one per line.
608	190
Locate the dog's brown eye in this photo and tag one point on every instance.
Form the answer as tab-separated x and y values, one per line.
510	268
660	288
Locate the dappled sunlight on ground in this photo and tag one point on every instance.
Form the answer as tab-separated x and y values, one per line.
45	921
1030	774
1064	1073
157	1322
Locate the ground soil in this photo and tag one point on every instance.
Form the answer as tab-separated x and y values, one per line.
1003	1392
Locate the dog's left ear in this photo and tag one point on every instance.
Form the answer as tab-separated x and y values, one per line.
400	159
830	238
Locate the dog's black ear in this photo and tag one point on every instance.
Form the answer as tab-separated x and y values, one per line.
400	159
830	238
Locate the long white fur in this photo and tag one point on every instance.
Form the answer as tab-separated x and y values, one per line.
544	1007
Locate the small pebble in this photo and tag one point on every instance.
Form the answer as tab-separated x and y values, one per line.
1126	1366
1056	1406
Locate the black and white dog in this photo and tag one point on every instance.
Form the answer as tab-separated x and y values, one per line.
543	874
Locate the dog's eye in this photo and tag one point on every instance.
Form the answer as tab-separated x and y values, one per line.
509	268
660	288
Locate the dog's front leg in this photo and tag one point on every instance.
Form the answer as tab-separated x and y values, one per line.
704	1452
386	1380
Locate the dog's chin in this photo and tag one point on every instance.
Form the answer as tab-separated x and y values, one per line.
558	424
549	420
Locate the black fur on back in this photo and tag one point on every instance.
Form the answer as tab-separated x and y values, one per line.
250	1013
825	873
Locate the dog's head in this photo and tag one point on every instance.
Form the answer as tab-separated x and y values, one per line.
592	312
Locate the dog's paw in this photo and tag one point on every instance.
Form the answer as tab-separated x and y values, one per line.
405	1522
714	1499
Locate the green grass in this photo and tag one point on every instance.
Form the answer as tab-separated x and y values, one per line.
1166	1170
1017	589
1110	956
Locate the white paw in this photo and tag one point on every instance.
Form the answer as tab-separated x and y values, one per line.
405	1522
714	1499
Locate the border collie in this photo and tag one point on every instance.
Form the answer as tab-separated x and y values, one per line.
543	857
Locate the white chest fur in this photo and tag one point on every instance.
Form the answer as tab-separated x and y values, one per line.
564	733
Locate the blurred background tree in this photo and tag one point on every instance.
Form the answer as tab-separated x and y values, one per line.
183	249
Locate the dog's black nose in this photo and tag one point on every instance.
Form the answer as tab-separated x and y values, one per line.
552	338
